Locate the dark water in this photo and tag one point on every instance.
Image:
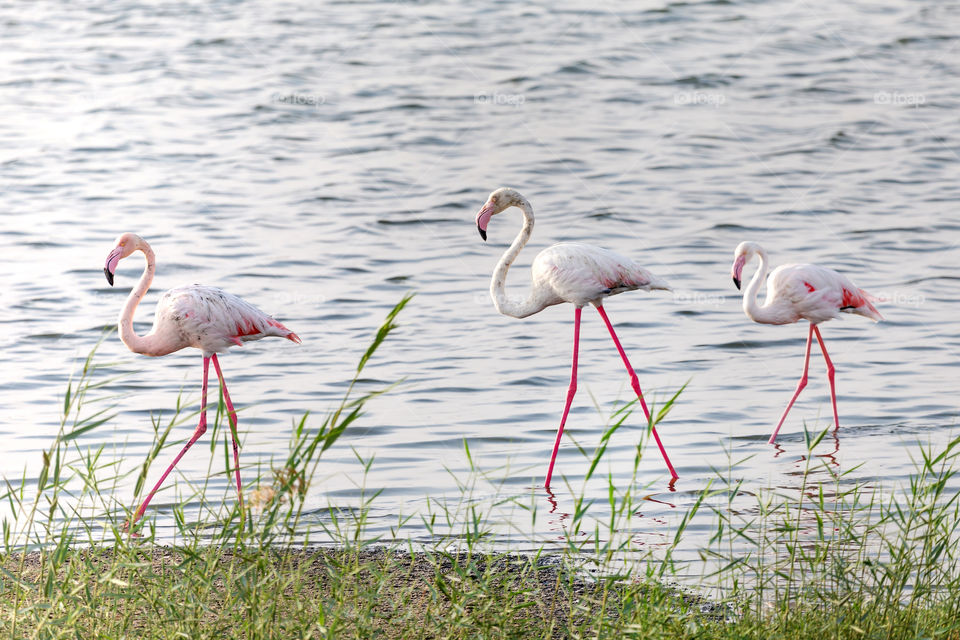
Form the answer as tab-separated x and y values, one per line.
322	159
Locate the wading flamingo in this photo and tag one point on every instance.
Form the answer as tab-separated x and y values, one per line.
580	274
206	318
800	291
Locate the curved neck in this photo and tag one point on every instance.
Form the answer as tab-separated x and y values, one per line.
769	313
138	344
505	304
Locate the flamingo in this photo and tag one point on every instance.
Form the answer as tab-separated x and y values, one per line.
801	291
571	272
206	318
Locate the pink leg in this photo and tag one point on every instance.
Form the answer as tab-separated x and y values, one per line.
201	429
800	386
636	388
830	376
570	393
232	419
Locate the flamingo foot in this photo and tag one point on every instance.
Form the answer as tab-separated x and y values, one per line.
126	528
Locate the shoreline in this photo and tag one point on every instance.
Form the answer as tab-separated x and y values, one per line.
349	592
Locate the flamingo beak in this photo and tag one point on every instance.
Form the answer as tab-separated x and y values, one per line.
111	267
483	218
738	269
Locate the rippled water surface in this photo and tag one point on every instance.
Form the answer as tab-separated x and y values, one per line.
322	159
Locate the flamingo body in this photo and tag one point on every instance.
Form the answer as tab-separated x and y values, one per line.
801	292
571	272
212	320
815	293
582	274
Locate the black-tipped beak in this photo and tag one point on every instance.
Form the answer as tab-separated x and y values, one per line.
483	218
111	265
736	281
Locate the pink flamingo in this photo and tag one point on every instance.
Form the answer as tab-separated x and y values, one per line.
801	291
206	318
567	272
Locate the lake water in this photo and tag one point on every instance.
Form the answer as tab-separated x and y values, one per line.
322	159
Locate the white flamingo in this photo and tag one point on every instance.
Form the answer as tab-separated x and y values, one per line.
580	274
206	318
801	292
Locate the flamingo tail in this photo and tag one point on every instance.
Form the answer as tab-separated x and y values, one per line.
281	331
867	309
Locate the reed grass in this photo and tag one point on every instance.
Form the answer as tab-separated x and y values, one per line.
832	558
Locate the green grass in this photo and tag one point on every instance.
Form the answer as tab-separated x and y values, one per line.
831	559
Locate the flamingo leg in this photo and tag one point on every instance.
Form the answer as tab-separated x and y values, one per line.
200	430
571	391
800	385
635	383
232	419
831	373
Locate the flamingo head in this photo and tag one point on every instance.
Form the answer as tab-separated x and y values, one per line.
127	243
741	256
501	199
